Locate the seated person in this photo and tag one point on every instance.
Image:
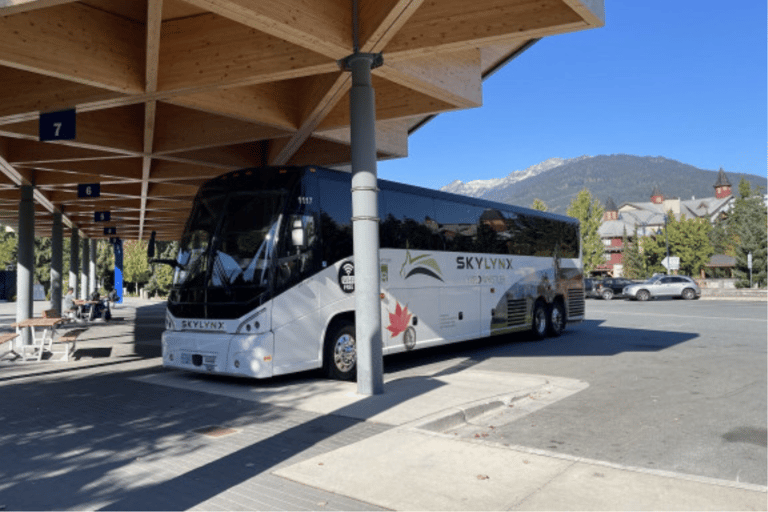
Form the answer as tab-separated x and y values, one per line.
68	307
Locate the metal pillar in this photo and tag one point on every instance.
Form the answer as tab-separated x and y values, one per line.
92	281
74	260
57	247
25	268
365	225
84	269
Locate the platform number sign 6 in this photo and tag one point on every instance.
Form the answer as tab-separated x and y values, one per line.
60	125
88	190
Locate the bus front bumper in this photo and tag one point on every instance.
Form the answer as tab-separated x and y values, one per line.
229	354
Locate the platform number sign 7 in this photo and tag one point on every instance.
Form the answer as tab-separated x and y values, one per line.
59	125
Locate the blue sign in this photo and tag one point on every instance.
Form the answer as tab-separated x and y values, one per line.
59	125
101	217
110	231
88	190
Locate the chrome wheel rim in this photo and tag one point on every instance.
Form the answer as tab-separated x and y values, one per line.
540	321
557	318
344	353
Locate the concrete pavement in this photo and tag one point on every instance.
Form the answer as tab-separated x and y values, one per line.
113	430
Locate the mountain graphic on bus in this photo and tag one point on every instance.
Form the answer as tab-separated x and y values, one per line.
424	264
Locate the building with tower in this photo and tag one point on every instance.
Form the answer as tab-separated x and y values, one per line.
648	218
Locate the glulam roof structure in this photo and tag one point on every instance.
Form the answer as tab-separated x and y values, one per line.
171	93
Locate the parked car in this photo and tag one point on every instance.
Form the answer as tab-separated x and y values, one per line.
664	286
611	287
589	287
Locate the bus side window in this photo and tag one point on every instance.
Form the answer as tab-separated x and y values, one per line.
408	222
335	219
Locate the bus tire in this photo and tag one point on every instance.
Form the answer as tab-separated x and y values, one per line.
340	351
540	321
556	319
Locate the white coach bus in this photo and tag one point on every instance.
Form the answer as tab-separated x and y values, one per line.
265	276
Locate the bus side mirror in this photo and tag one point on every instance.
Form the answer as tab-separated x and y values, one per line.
298	237
151	245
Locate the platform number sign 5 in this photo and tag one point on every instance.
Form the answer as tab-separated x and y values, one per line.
101	217
60	125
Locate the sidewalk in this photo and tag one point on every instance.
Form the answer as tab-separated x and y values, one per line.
113	430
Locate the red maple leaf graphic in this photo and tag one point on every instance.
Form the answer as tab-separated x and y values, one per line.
398	321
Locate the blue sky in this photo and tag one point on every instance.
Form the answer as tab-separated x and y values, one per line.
681	79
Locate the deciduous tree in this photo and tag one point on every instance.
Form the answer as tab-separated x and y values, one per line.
589	211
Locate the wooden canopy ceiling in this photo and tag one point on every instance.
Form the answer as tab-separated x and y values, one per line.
170	93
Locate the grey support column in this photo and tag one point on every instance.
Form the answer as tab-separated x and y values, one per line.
92	281
365	225
74	260
26	259
57	258
84	269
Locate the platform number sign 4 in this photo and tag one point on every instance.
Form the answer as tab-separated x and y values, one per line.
60	125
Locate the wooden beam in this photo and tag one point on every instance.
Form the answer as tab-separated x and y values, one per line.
453	78
181	128
323	26
61	42
391	137
455	24
18	6
380	20
392	102
171	190
166	170
31	152
92	170
117	129
212	50
25	93
272	104
327	92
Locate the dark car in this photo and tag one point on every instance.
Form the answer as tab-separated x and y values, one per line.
611	287
589	287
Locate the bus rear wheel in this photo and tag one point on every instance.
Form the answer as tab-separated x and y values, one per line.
539	323
340	352
556	323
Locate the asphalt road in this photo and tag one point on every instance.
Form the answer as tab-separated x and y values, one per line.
673	385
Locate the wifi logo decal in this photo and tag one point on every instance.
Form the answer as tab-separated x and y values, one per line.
347	277
424	265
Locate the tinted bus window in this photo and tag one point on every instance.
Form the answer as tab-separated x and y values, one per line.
407	222
335	219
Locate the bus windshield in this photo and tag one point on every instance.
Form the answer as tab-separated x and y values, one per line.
230	240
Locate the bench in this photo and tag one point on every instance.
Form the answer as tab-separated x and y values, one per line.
6	338
65	339
51	313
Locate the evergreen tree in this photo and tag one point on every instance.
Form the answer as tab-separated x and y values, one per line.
540	205
632	257
135	263
589	211
688	240
162	275
749	222
9	246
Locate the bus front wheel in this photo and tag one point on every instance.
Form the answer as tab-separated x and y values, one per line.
340	352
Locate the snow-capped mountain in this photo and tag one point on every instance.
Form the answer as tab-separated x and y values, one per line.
477	188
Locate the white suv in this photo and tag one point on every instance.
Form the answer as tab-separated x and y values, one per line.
664	286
